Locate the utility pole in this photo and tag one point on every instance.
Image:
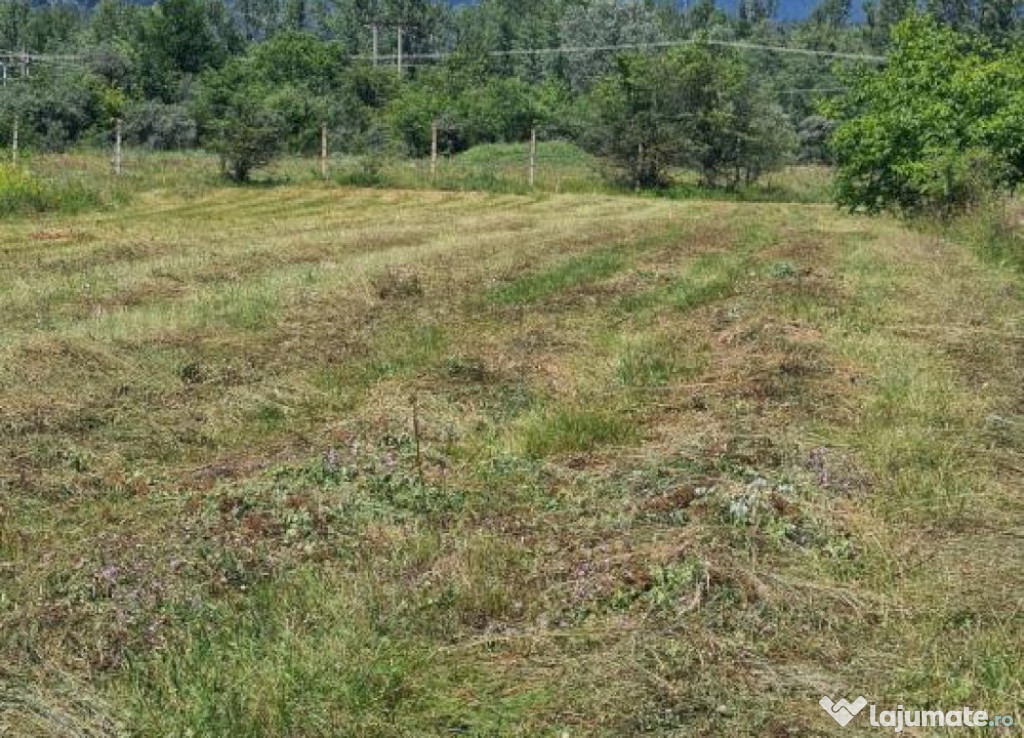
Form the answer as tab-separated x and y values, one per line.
399	55
117	146
533	156
14	144
376	36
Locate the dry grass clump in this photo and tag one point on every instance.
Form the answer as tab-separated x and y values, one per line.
394	284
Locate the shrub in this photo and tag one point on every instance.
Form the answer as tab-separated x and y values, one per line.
159	126
55	111
369	173
470	110
813	135
936	130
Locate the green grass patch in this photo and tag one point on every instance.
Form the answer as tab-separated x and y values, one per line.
550	153
24	193
996	232
573	272
250	307
574	430
256	669
407	348
660	362
708	278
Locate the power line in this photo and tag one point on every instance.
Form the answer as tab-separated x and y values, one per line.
441	55
812	90
40	57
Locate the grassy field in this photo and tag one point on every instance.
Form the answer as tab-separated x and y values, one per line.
83	180
308	460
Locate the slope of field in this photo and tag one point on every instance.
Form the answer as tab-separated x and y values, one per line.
309	461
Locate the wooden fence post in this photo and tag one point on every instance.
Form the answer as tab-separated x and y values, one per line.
323	149
639	164
117	146
433	150
533	156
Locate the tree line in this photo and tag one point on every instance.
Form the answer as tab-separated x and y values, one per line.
251	78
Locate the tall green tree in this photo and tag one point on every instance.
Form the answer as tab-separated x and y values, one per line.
697	107
114	22
935	129
757	11
882	15
238	119
997	19
833	14
15	16
182	38
604	23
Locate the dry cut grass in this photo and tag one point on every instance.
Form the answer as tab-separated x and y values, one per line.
303	461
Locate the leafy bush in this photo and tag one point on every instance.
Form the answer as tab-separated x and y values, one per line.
411	115
54	111
935	130
159	126
367	174
311	84
469	109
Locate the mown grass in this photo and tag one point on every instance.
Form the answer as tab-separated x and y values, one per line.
315	461
573	272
